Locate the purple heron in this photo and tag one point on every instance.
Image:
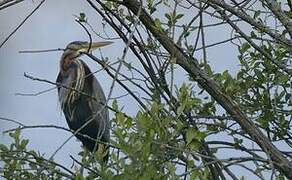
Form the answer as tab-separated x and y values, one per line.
85	113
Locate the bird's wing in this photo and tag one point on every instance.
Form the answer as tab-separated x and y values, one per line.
63	92
98	106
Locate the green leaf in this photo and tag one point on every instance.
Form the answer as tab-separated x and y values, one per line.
23	143
264	122
15	135
180	110
79	176
179	16
167	16
190	135
120	118
115	105
82	17
287	96
253	35
196	174
157	23
244	47
238	142
143	121
284	79
200	135
176	18
256	14
128	65
3	148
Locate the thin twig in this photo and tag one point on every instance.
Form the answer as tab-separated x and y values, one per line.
7	3
88	34
11	120
27	17
86	167
41	51
35	94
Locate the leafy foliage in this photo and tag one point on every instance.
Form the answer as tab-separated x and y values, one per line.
20	163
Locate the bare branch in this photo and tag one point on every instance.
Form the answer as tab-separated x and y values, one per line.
7	3
27	17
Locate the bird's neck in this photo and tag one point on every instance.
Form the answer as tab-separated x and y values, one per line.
75	78
67	59
64	66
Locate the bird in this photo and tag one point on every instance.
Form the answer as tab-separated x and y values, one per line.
82	99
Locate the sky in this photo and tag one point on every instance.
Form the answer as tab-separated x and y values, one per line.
53	26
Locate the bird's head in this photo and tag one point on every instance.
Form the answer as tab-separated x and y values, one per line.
76	48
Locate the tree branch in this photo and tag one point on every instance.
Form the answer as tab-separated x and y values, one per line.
192	67
27	17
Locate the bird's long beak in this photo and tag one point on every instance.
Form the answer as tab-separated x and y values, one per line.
94	45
